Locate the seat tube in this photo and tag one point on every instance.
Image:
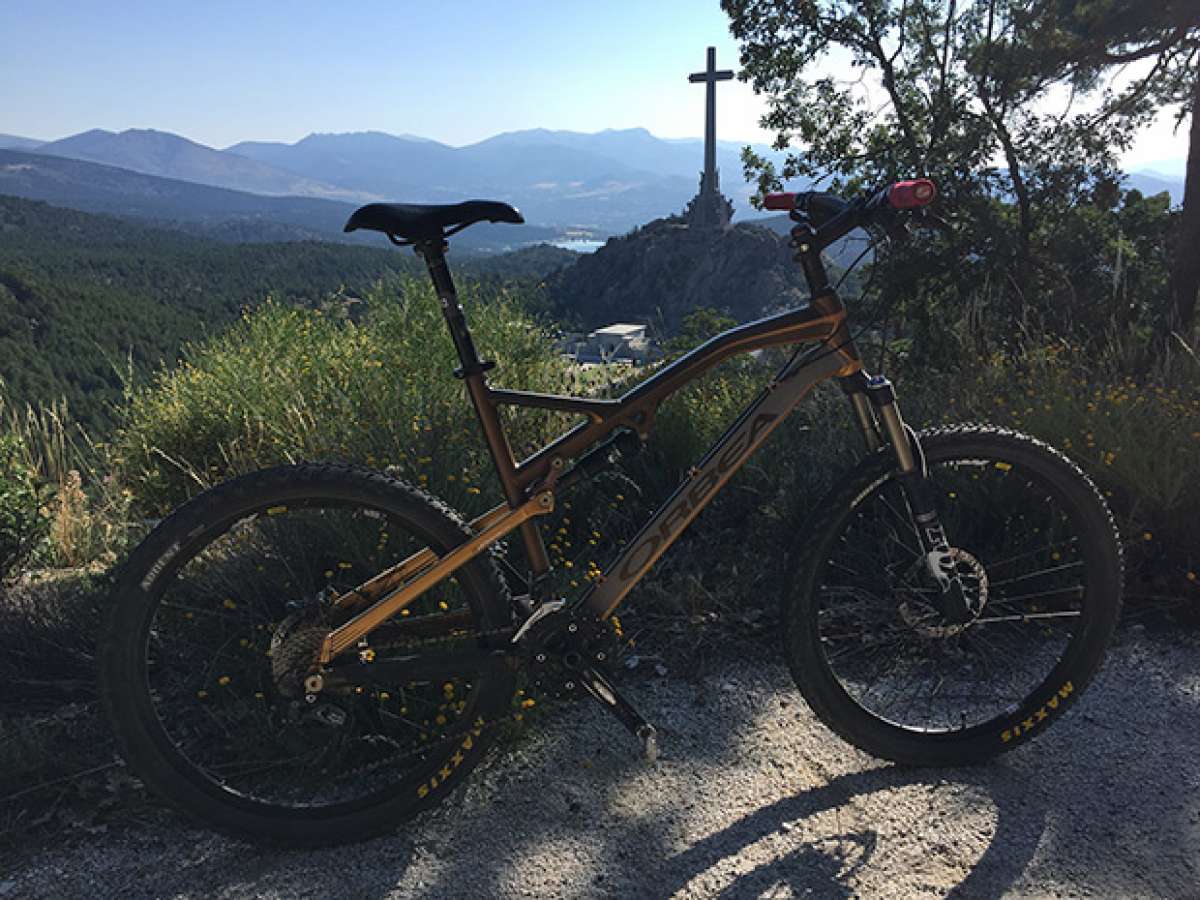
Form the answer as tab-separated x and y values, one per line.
473	373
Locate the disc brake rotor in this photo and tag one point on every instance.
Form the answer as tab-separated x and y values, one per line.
928	621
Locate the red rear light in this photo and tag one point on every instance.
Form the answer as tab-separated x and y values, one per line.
785	201
909	194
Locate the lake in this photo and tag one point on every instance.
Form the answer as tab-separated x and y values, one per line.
579	246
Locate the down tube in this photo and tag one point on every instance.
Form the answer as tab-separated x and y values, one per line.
704	481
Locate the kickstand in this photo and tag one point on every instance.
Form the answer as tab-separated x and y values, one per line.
602	689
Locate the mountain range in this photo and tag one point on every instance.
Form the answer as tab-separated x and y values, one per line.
170	156
605	183
596	184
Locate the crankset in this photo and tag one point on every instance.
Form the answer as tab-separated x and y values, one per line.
567	654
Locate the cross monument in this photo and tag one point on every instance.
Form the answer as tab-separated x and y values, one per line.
709	207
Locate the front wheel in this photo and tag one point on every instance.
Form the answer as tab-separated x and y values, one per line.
1038	552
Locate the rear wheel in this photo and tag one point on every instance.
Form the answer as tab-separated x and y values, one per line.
1037	551
219	615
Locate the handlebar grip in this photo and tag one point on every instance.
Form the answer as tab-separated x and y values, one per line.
783	201
911	194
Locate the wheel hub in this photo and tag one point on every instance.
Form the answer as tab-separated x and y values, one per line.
929	622
295	649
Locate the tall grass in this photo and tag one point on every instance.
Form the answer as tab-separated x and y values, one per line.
287	384
86	511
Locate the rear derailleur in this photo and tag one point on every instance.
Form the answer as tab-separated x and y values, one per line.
567	653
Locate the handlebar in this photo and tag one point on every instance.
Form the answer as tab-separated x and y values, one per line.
901	195
834	217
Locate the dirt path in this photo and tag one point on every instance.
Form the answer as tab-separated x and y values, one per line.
752	798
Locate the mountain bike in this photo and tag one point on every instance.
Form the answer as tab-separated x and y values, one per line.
312	653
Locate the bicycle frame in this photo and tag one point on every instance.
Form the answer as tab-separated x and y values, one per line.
529	485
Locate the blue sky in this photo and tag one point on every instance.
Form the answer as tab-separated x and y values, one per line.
219	72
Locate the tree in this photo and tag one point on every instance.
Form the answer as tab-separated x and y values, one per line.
697	327
962	92
1087	38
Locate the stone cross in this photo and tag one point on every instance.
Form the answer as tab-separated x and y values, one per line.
710	76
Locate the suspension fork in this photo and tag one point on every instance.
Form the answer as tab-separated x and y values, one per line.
877	393
855	388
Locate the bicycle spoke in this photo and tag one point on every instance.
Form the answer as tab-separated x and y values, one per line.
219	695
897	656
1026	617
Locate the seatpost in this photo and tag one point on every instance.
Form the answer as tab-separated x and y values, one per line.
472	372
434	254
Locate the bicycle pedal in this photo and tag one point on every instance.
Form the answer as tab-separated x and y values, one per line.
648	735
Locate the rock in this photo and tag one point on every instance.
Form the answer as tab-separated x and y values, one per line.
662	271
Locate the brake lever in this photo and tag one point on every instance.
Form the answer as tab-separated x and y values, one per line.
901	229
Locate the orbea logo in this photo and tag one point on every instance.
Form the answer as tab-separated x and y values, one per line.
695	496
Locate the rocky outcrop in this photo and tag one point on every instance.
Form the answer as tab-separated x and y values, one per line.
660	272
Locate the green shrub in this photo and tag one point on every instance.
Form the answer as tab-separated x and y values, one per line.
22	523
286	384
1137	436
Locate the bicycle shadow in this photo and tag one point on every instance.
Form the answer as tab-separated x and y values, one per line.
790	852
824	867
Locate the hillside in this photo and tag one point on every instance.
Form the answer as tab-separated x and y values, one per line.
94	187
660	273
216	212
15	142
81	294
171	156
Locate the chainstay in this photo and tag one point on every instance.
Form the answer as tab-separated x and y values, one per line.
476	729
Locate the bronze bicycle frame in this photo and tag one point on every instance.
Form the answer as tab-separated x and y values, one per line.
529	485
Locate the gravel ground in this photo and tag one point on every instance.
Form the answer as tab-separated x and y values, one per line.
751	798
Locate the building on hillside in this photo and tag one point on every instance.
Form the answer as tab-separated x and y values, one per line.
621	342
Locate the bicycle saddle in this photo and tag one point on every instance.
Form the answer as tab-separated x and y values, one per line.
417	222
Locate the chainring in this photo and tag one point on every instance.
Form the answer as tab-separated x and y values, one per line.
559	647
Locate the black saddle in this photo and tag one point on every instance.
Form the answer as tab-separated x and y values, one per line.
413	222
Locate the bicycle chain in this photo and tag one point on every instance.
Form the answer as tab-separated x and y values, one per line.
476	730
